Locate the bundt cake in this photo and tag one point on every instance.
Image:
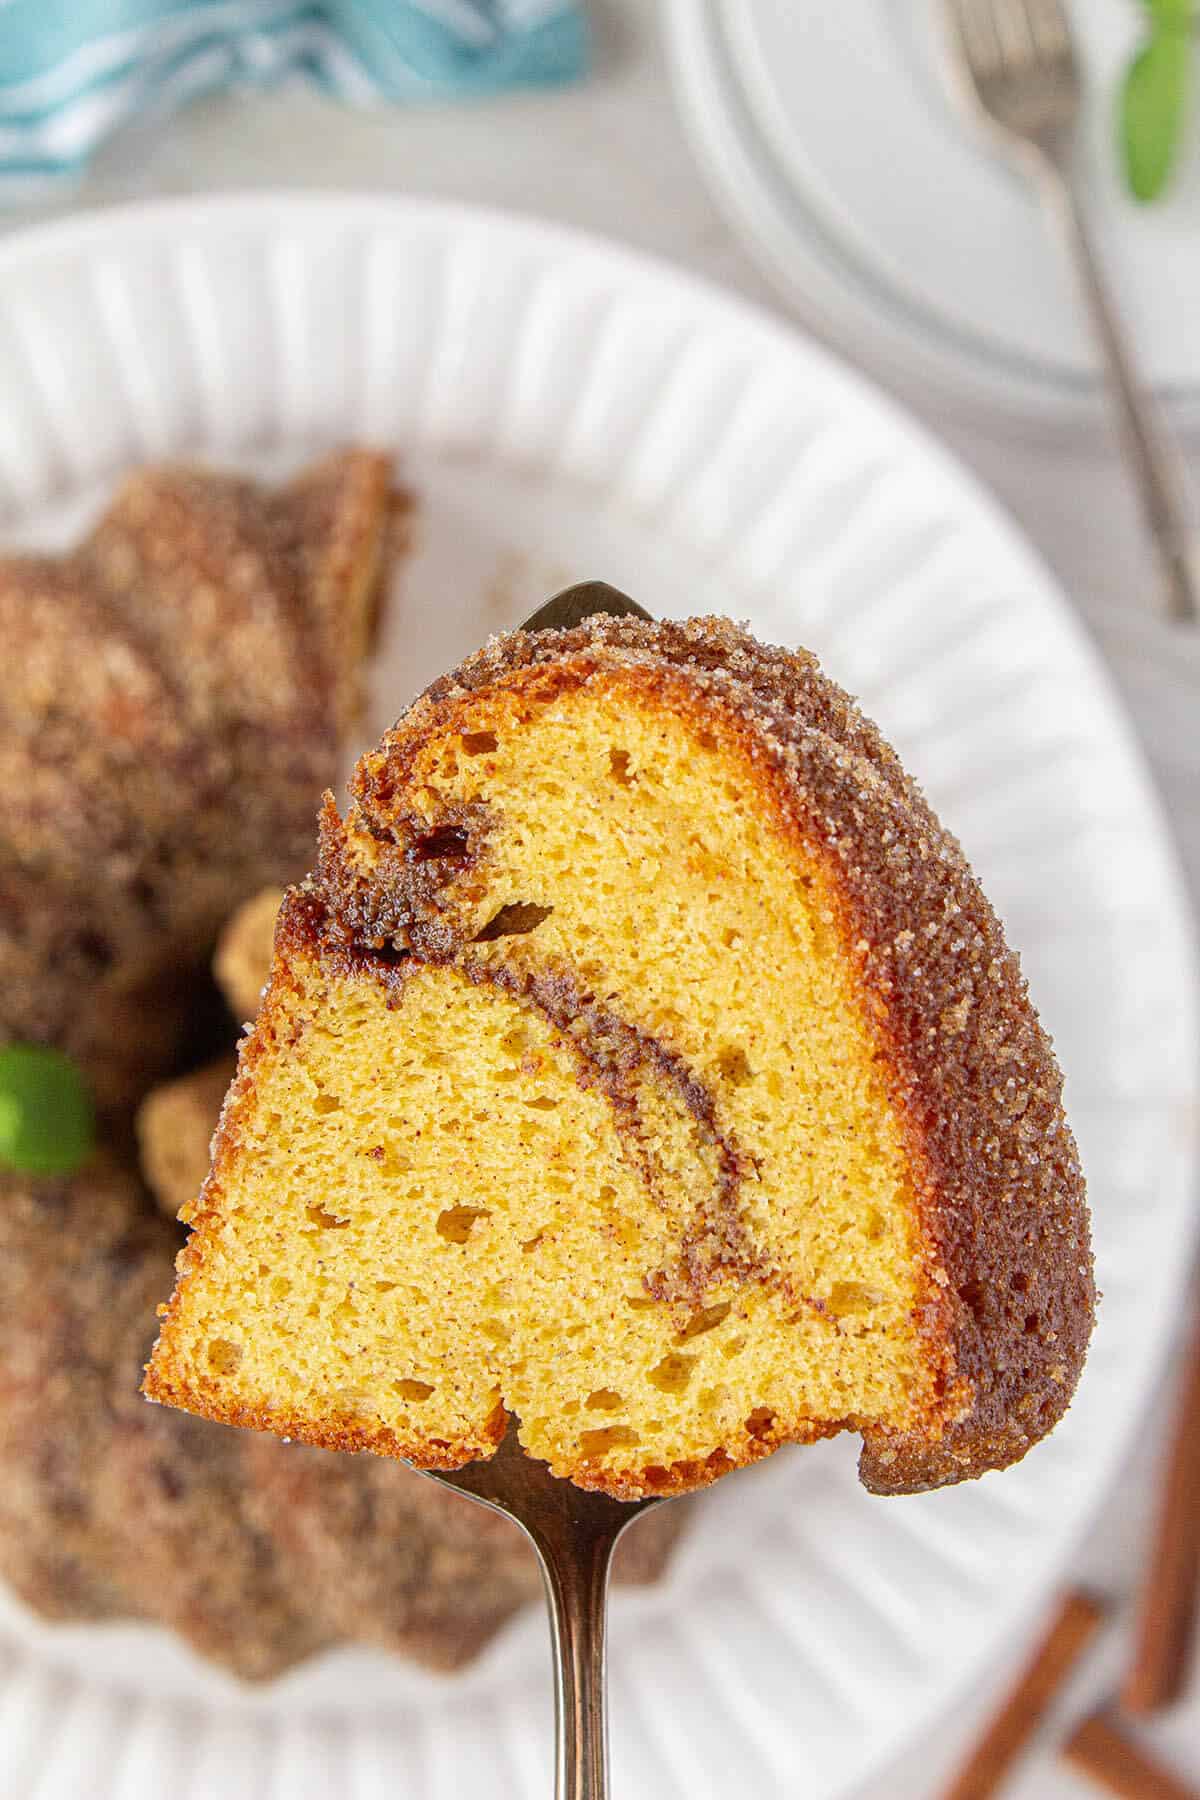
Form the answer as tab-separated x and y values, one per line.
87	970
107	1508
171	707
642	1060
56	1388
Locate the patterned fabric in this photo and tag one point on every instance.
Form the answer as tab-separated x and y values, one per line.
71	71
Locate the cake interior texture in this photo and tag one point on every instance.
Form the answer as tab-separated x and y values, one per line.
570	1099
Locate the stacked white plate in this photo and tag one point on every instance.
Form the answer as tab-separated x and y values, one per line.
831	138
565	409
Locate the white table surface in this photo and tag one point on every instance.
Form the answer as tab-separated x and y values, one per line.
611	156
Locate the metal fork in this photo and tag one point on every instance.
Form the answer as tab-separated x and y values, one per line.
1018	74
573	1532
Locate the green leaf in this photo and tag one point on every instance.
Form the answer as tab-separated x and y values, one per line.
1153	104
1171	15
46	1122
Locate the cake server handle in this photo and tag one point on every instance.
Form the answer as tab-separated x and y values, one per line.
576	1577
574	1532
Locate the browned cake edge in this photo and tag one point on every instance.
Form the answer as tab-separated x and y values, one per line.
1008	1296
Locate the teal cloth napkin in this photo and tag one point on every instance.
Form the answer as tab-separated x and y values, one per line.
72	71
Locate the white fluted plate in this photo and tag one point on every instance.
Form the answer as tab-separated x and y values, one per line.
567	409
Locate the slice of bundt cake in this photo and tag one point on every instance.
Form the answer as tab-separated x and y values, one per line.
643	1060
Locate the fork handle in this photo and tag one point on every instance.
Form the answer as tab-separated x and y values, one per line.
1157	466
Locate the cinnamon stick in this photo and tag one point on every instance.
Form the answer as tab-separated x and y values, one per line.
1167	1607
1071	1630
1110	1759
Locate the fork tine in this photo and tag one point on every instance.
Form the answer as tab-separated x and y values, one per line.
1012	26
975	25
1049	28
1016	67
